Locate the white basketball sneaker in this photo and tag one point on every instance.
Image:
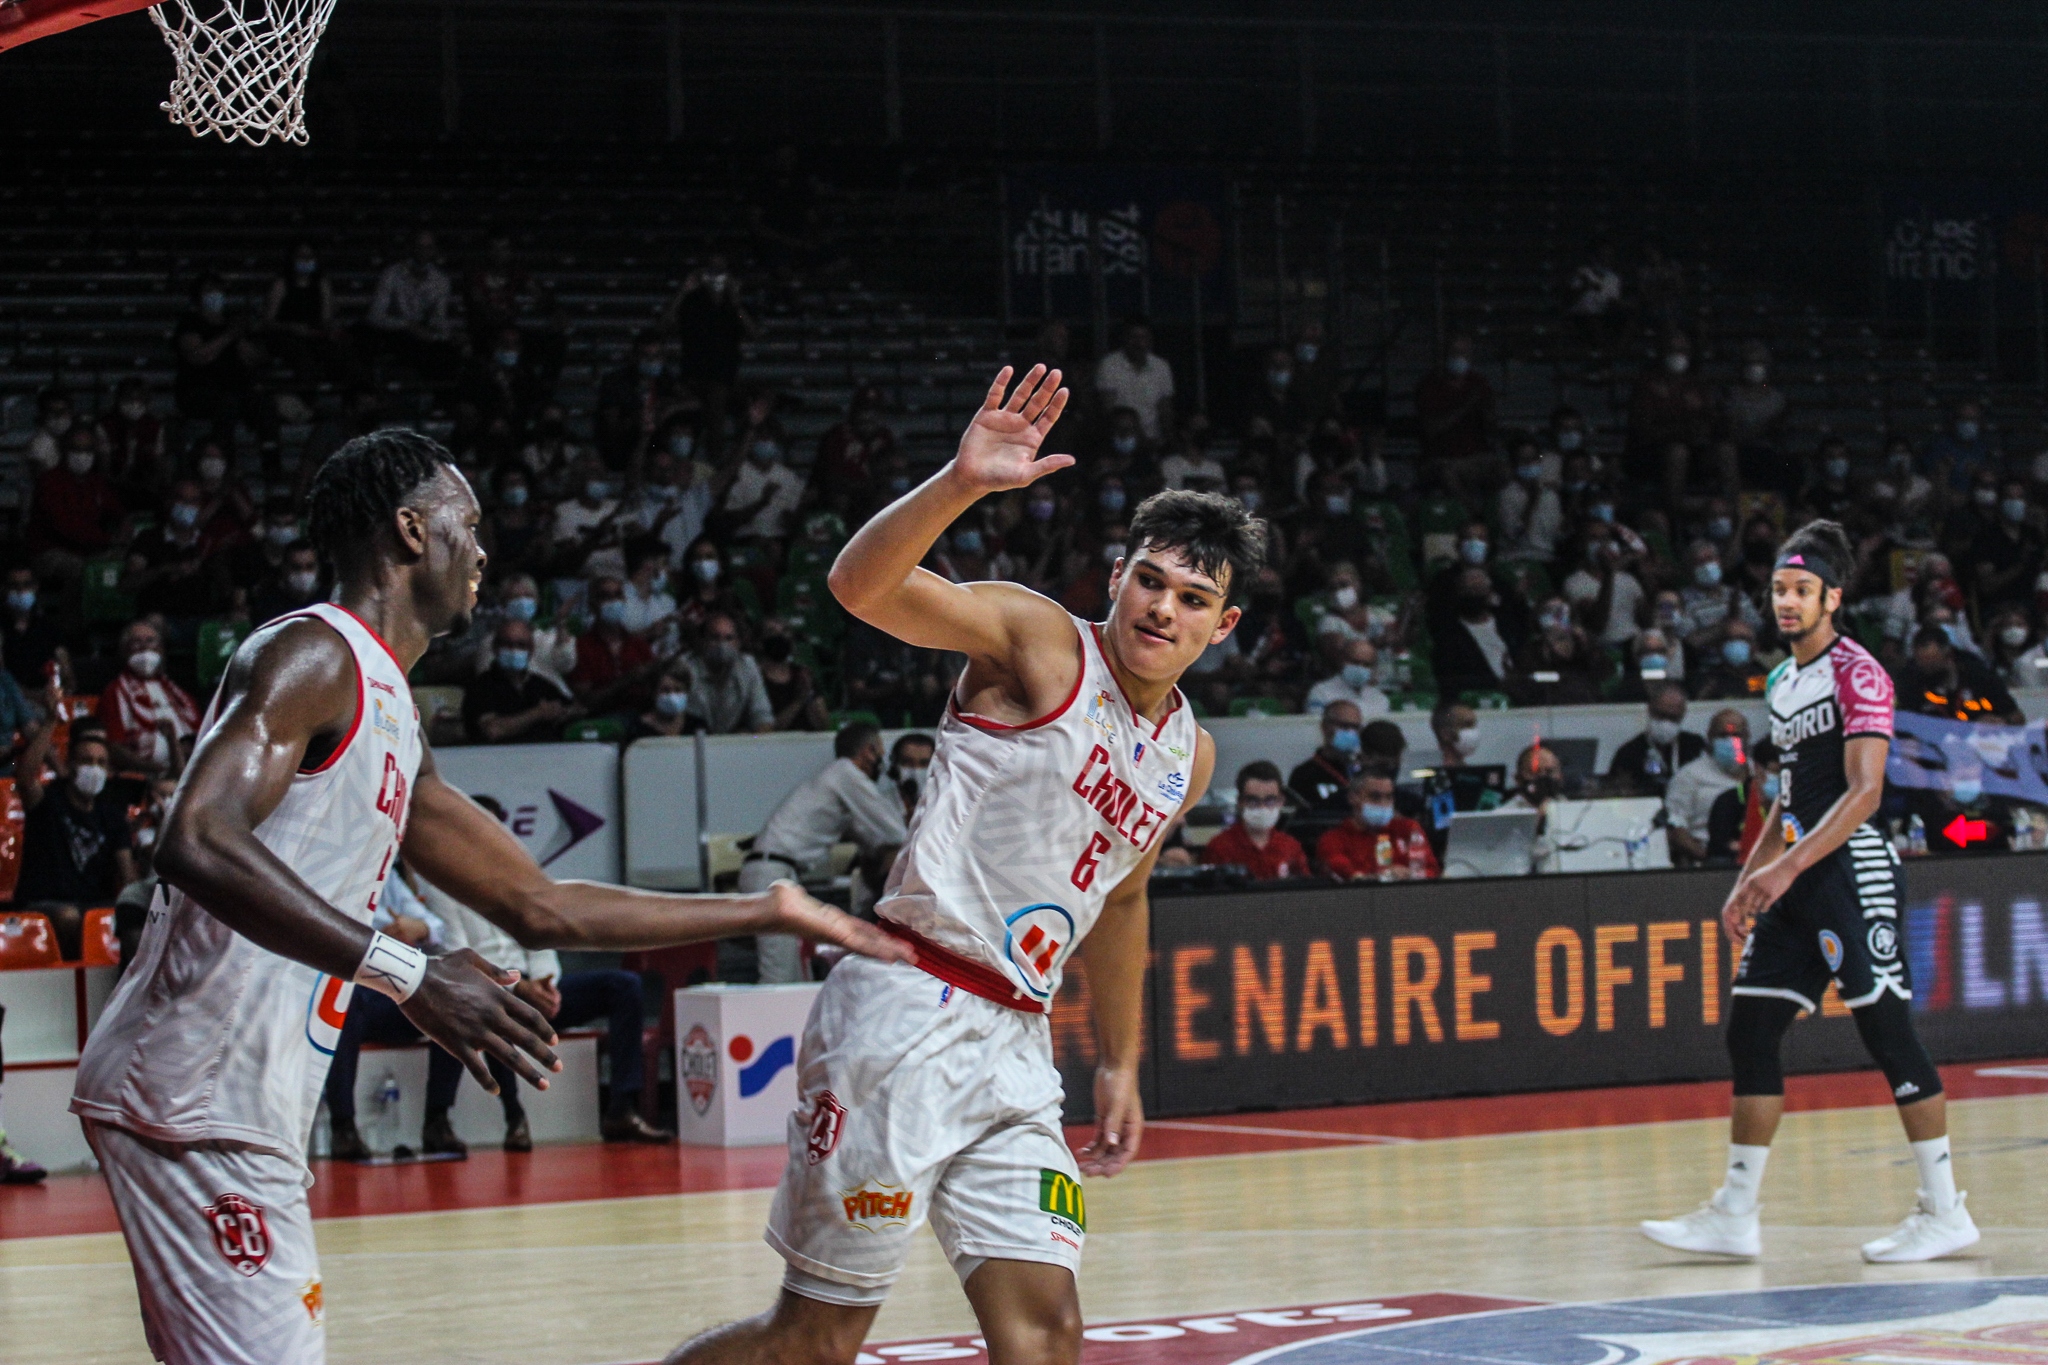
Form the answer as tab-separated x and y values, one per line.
1709	1229
1926	1234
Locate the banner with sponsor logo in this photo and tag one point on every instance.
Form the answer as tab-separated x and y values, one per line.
1155	229
2009	761
1361	994
561	800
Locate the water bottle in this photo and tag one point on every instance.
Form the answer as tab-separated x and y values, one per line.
1916	838
1418	852
1383	857
383	1134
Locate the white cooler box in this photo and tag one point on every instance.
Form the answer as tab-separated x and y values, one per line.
736	1062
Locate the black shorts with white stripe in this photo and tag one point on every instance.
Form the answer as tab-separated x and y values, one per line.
1840	922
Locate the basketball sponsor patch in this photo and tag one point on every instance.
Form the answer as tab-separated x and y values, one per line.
875	1206
315	1299
699	1058
828	1121
1060	1195
240	1233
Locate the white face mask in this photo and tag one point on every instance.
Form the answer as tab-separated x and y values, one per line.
1677	362
79	462
145	662
1344	598
1260	818
213	467
1468	740
89	778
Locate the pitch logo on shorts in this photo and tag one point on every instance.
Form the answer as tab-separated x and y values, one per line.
697	1060
240	1233
828	1121
874	1207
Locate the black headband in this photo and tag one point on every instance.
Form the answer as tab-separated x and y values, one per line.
1812	564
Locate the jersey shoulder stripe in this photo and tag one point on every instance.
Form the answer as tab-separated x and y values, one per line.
1785	665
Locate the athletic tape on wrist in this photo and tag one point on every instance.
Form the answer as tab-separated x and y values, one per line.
392	968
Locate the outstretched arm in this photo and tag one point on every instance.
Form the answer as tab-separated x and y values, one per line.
1018	643
458	846
288	687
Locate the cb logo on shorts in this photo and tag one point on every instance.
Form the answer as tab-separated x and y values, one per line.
239	1232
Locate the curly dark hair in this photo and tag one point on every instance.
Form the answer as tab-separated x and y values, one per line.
1213	530
360	485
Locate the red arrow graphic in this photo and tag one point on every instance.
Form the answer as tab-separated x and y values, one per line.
1961	832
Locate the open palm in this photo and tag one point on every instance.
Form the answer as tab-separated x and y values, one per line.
999	449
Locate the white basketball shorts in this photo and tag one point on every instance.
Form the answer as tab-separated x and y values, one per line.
918	1100
221	1240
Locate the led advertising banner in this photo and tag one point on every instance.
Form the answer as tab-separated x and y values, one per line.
1359	994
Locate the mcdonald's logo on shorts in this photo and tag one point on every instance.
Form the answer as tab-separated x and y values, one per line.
1059	1194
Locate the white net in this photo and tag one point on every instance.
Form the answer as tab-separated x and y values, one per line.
241	73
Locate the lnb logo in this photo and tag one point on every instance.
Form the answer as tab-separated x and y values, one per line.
757	1072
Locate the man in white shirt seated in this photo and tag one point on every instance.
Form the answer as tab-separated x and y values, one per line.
1689	799
1353	682
845	801
568	999
1133	377
374	1018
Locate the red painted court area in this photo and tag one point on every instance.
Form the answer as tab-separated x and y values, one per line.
492	1179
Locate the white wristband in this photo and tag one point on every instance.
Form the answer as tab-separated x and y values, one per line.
392	968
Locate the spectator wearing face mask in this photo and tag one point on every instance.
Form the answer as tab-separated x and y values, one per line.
792	690
257	558
633	400
1963	797
1654	657
1323	782
1753	415
1454	407
409	311
136	455
1709	600
615	669
215	382
511	702
669	716
1528	511
552	653
850	452
2018	653
726	687
502	384
55	416
586	535
1689	799
516	528
1134	377
1941	680
1829	492
75	512
29	644
910	763
650	608
1957	455
1643	765
1732	670
706	589
293	585
1254	840
677	493
1456	728
1475	647
75	843
1191	466
765	492
1669	415
1352	681
150	720
1737	819
1273	398
1557	665
710	324
1375	843
1970	517
2007	555
1539	781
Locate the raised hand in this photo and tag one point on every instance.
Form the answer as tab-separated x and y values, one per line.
999	449
793	911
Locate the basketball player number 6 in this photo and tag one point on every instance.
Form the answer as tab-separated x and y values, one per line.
1090	860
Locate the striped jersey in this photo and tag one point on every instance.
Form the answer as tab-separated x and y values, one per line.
211	1038
1023	830
1815	709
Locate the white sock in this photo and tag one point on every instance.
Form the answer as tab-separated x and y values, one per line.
1937	1175
1744	1178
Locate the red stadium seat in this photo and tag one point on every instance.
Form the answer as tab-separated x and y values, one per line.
102	948
27	941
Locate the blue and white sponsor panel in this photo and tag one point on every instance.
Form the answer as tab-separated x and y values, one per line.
736	1062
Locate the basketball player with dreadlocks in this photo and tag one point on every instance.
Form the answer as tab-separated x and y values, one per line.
1820	905
197	1089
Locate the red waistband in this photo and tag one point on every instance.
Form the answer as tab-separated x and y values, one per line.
955	970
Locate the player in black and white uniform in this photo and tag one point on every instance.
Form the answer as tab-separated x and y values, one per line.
1821	905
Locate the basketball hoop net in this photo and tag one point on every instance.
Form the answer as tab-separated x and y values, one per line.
241	74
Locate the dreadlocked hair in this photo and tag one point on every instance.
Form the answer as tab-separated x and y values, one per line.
360	485
1210	529
1827	541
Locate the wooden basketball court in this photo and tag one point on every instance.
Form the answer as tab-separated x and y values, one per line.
1380	1216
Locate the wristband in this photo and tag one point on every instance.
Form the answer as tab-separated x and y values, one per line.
392	968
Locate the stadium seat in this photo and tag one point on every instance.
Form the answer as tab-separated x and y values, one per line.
27	941
102	948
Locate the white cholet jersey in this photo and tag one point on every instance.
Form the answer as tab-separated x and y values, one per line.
211	1038
1023	830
